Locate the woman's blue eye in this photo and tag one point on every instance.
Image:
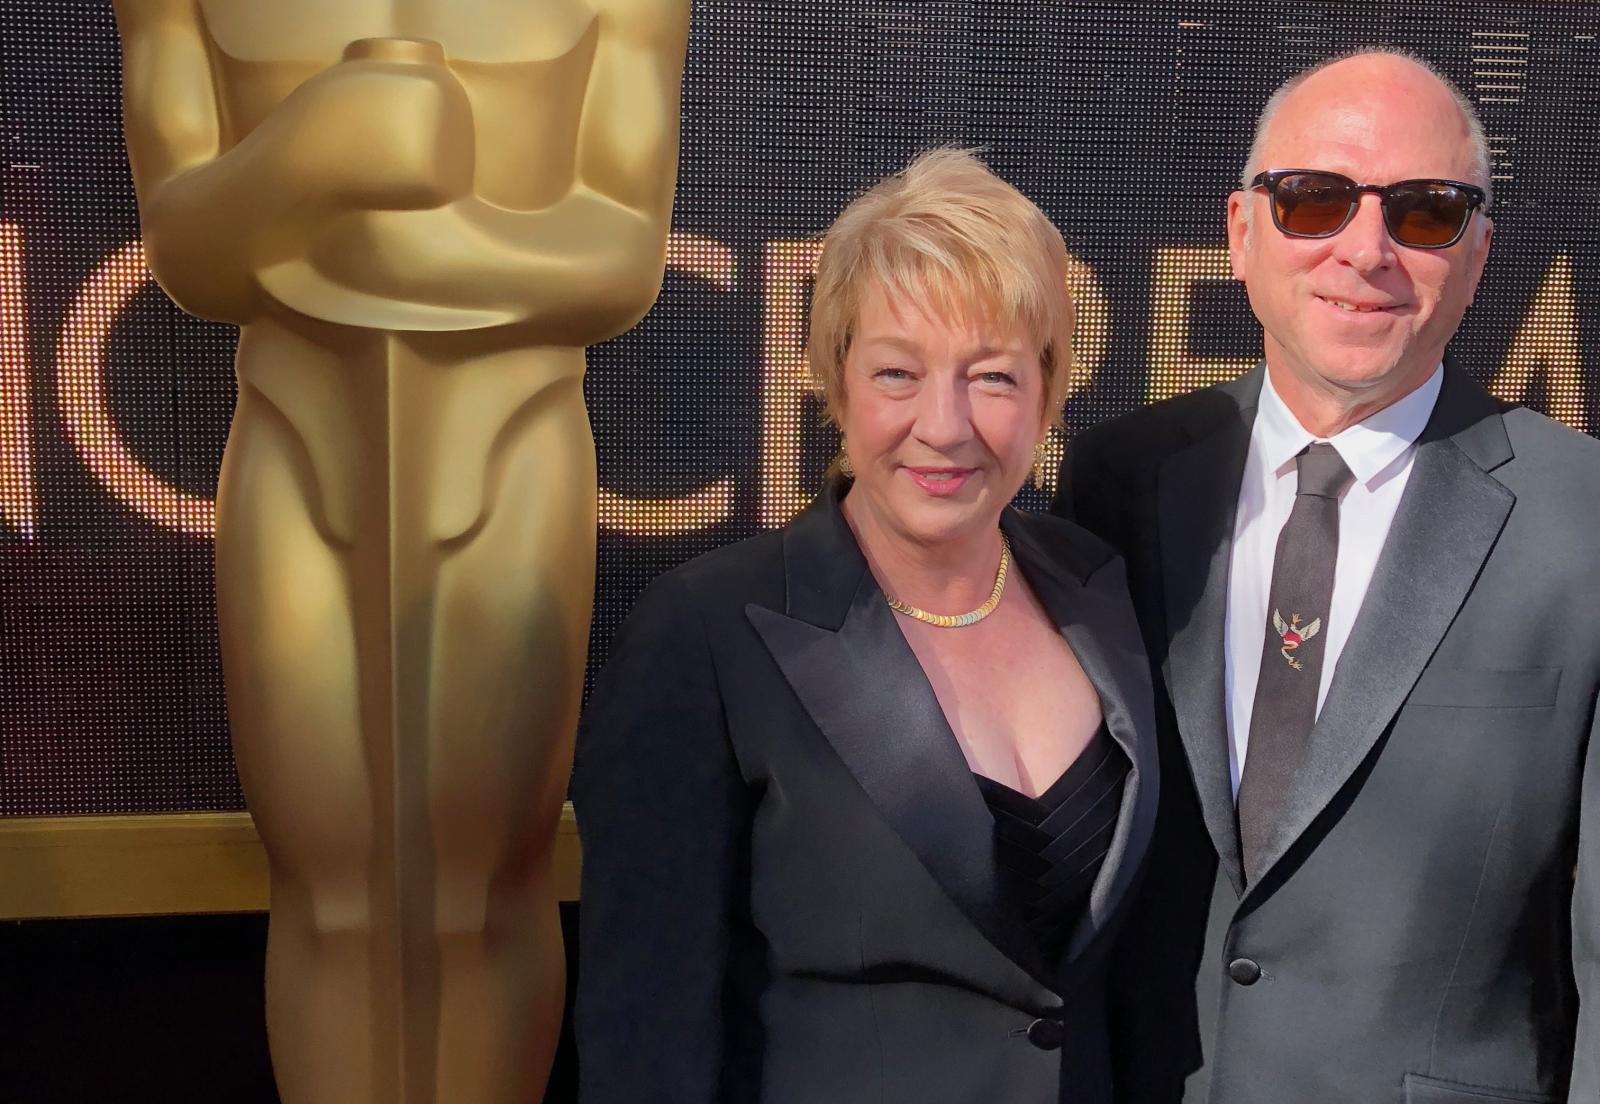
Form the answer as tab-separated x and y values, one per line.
997	377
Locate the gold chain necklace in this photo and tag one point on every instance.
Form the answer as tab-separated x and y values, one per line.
971	617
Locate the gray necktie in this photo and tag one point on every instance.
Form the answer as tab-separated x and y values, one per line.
1291	658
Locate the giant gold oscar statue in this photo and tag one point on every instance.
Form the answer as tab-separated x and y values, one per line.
419	212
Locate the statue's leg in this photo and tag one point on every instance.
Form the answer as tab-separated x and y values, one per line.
286	608
510	630
404	703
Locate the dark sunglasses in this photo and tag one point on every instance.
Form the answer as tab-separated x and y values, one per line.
1422	214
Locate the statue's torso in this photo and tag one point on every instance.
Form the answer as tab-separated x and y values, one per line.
524	67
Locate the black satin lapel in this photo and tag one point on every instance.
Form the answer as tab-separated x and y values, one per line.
1448	521
1197	497
865	690
1100	628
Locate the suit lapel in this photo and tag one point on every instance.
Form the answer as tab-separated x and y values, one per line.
1103	634
845	658
1197	493
1449	519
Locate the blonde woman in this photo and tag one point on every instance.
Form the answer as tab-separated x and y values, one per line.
862	799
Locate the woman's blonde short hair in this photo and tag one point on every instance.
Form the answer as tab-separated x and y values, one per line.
956	238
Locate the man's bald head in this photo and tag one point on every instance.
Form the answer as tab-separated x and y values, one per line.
1370	73
1354	319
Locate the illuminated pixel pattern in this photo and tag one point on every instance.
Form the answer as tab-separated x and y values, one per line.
1126	121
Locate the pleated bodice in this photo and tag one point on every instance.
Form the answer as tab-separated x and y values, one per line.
1051	847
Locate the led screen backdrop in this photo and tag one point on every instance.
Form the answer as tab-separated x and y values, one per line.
1126	122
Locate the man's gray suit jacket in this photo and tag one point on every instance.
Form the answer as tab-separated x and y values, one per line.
1427	929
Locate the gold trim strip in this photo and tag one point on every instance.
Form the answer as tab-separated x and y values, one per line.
175	863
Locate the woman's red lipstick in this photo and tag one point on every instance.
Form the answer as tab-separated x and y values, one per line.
941	482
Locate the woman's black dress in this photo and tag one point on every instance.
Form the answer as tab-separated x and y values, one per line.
1051	846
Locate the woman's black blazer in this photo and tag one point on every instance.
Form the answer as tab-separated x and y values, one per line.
789	881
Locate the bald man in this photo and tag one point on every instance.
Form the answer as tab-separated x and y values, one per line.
1371	595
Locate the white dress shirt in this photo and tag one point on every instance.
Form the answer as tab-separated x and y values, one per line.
1379	452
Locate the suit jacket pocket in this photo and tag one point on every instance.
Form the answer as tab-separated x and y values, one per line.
1433	1090
1487	687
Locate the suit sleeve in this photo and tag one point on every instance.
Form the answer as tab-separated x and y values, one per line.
1151	988
1070	480
1585	1087
1082	492
662	812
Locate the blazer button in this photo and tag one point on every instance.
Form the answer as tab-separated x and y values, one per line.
1046	1034
1245	971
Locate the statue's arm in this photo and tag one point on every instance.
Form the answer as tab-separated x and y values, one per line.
359	134
628	147
606	277
173	133
628	142
581	270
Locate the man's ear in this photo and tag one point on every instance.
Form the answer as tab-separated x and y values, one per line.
1239	228
1483	254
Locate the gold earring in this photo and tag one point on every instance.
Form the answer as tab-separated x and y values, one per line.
841	462
1036	473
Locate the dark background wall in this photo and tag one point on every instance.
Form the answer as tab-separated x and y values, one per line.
1127	122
